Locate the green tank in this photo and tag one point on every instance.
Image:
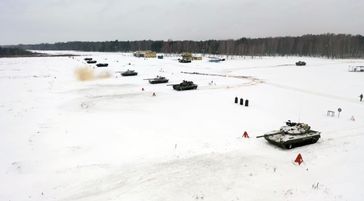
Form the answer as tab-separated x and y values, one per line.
184	85
292	135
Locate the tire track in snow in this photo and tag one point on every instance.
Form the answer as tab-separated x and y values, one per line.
259	67
306	91
255	81
252	80
288	65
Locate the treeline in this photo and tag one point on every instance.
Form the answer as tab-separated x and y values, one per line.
324	45
12	52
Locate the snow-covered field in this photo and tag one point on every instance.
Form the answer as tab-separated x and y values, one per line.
107	139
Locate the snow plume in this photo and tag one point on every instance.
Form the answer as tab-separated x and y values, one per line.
86	73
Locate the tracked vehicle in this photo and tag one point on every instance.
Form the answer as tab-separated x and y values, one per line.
157	80
292	135
91	61
184	85
129	73
184	60
102	65
300	63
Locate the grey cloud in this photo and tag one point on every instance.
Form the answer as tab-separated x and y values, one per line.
34	21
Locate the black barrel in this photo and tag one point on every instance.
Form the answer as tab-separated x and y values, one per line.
246	103
236	100
241	101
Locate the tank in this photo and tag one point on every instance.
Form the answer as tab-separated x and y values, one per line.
129	73
300	63
184	60
292	135
158	80
102	65
91	61
184	85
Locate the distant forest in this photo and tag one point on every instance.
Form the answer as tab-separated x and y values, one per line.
324	45
13	52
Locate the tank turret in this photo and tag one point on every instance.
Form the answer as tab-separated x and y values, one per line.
184	85
292	135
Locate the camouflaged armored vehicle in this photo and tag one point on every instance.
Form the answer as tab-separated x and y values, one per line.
292	135
184	85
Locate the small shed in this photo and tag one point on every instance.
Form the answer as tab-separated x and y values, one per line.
189	57
145	54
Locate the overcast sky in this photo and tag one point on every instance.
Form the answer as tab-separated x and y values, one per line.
36	21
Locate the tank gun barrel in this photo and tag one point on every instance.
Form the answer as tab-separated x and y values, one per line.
269	134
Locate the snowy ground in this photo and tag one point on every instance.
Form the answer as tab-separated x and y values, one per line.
106	139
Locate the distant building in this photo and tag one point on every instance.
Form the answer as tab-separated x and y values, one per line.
145	54
189	57
196	58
